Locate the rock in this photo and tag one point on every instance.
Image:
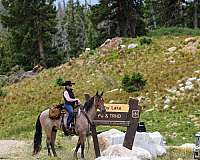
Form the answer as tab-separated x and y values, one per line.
190	39
186	147
103	143
172	49
172	91
182	89
111	101
190	87
132	45
198	71
191	47
166	106
181	85
141	153
87	49
173	107
118	152
192	79
114	90
167	101
151	142
188	83
106	42
122	46
178	93
113	136
149	110
172	61
109	44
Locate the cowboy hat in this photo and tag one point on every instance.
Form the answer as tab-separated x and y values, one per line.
68	83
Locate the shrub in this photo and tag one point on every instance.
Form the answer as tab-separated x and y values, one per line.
133	83
2	93
145	40
59	81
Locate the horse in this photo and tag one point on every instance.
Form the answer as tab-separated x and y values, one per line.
84	118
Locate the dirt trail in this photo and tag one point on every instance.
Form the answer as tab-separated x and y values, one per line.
13	149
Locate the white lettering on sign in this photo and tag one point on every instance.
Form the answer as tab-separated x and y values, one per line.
135	113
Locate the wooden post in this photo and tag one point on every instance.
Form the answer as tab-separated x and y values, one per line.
133	117
95	140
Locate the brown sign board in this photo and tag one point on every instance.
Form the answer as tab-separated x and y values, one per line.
112	118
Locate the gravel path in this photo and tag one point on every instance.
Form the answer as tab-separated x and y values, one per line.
11	149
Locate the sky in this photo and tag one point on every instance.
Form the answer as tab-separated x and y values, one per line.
82	1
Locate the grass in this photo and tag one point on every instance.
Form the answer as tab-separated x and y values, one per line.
174	31
25	100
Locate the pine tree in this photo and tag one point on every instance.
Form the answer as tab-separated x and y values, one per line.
31	24
75	30
119	18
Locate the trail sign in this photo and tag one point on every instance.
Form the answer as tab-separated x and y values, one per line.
119	114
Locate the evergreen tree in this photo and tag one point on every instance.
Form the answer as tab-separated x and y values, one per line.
31	24
75	30
119	18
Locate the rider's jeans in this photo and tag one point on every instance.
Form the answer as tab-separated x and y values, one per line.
69	109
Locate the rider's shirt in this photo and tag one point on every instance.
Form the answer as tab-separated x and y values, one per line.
69	97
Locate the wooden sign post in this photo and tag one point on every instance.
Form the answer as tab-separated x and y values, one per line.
133	117
95	140
118	114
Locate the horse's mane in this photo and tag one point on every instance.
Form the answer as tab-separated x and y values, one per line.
88	104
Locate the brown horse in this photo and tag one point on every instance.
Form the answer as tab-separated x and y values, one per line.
83	119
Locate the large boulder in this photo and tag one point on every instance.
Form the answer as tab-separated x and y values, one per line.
118	152
151	142
110	44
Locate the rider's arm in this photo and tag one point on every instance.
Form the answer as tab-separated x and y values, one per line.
66	95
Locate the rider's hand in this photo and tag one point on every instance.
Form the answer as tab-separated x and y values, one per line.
78	102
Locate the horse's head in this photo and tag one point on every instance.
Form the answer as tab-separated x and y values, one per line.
99	102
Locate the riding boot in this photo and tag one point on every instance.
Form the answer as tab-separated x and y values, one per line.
65	130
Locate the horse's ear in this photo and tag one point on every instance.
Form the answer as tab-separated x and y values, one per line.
101	94
87	97
97	93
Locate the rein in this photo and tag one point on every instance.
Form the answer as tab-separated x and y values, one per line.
86	116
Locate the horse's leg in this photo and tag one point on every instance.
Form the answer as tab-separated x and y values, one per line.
53	138
77	147
48	142
82	140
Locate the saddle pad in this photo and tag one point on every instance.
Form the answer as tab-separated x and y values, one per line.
54	112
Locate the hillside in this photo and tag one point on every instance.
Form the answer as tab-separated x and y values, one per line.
171	98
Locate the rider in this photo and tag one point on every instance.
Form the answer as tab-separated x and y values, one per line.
70	101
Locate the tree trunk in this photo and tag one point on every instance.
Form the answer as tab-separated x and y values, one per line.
40	48
195	14
131	18
153	16
122	19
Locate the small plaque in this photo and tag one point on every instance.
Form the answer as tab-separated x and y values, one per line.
135	113
117	107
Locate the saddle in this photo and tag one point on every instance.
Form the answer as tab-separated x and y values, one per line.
56	110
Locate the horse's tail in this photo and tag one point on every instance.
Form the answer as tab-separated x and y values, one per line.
37	136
